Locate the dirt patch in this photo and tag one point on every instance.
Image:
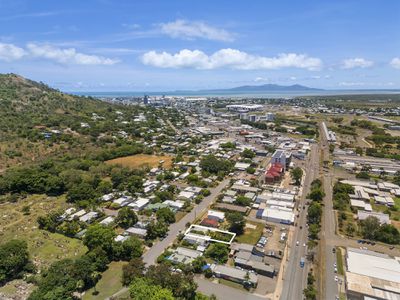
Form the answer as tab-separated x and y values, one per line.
141	160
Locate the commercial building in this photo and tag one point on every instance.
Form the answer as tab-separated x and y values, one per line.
371	275
235	275
383	218
278	215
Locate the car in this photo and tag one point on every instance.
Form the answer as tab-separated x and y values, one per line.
336	279
334	250
359	241
373	243
335	265
304	244
335	270
297	243
301	227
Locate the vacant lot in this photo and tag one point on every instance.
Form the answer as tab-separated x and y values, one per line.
109	284
251	233
141	160
44	247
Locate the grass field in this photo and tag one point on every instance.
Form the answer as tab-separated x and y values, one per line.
339	261
141	160
44	247
251	236
109	284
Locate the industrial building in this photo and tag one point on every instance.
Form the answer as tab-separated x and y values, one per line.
371	275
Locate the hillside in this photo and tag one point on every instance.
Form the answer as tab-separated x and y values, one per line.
37	121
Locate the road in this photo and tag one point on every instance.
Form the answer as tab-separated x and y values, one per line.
150	257
329	286
295	277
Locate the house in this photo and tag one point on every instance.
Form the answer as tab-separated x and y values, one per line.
210	223
121	238
78	214
193	189
184	195
139	232
241	166
184	255
231	207
107	221
89	217
139	204
216	215
175	205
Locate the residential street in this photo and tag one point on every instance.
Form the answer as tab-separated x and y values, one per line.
295	277
151	255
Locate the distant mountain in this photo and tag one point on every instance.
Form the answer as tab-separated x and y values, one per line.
266	88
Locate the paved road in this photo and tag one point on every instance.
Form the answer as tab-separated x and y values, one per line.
151	255
295	277
328	258
224	292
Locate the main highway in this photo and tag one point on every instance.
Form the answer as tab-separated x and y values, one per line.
295	277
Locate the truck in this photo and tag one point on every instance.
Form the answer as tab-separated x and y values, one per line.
302	262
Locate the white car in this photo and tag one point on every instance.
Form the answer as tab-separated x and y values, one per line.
336	279
304	244
297	243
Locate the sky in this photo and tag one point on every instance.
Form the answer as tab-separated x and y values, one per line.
121	45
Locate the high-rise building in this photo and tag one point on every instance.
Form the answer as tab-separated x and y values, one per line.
146	99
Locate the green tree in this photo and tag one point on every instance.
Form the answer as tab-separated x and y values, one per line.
296	174
14	258
218	252
248	153
126	217
198	263
166	215
370	227
99	236
131	248
142	288
236	222
156	229
133	269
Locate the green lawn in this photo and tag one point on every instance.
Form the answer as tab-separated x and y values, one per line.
251	236
339	261
109	283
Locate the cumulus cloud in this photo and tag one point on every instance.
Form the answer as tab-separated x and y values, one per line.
10	52
395	62
230	58
357	62
67	56
192	30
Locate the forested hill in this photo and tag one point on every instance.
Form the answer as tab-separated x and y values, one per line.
37	121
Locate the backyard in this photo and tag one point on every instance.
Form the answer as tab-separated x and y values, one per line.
141	160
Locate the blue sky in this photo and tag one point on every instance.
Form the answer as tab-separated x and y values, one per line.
105	45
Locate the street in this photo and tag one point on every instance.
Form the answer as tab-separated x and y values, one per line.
150	257
294	276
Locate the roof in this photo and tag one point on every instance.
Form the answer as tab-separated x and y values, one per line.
276	213
136	231
383	218
235	273
218	214
231	207
373	264
210	222
245	188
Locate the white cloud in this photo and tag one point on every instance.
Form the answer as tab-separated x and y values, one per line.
260	79
67	55
231	58
293	78
10	52
357	62
395	62
346	83
192	30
